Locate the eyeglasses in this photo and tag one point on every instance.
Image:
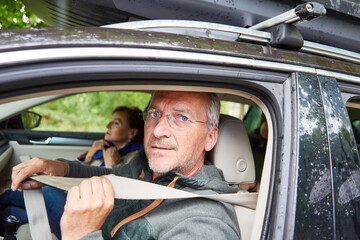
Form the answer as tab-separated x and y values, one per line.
177	120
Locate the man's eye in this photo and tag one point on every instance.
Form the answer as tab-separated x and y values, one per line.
154	114
181	118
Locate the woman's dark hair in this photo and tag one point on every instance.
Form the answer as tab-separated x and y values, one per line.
135	120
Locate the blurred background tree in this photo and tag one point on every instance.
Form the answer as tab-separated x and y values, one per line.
86	112
13	14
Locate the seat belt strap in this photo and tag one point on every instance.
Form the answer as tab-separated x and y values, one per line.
37	216
128	188
141	213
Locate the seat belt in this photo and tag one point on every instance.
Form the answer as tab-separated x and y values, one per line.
128	188
35	208
142	212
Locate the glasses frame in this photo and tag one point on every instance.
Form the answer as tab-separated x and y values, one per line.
170	117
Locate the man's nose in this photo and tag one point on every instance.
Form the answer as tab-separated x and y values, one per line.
162	128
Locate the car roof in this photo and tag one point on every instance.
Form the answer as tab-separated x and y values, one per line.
56	37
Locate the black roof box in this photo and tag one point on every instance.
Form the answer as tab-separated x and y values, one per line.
339	28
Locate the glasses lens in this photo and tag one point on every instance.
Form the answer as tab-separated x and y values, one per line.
151	116
179	120
176	120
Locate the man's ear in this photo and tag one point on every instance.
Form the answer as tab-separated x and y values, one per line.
133	132
211	139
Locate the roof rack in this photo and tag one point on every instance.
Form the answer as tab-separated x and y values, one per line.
176	26
303	12
232	33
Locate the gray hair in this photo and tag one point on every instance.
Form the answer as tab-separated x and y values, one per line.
213	111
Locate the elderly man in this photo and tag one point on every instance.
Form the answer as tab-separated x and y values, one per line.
179	128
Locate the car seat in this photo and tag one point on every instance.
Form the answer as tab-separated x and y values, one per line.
232	152
233	155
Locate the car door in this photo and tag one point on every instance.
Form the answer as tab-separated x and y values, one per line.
56	141
15	129
328	167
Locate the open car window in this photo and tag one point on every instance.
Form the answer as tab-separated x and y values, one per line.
61	115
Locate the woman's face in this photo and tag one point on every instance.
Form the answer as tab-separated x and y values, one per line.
119	131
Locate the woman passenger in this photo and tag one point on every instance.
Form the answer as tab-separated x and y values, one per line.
123	139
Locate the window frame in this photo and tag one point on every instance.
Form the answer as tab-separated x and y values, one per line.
264	88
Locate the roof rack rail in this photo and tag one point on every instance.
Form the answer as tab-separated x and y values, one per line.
175	26
227	32
303	12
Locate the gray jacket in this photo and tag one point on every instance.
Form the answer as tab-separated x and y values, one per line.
172	219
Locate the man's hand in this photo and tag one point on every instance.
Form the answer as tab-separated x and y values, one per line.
87	207
111	157
36	166
97	145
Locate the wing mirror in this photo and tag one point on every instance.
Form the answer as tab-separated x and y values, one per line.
26	120
30	119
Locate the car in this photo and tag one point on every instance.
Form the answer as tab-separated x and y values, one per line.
310	99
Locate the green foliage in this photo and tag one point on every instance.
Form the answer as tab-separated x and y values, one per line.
234	109
13	14
86	112
253	119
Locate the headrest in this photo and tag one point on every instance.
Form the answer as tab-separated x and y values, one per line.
232	152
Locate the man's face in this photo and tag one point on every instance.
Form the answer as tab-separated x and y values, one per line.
181	149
